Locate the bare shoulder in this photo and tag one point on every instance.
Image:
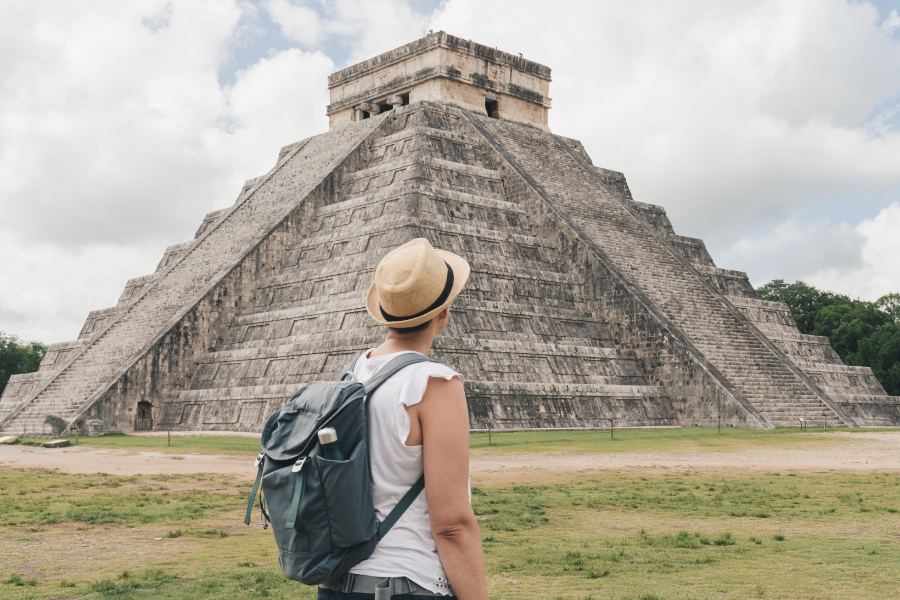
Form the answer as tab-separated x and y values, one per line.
443	391
443	405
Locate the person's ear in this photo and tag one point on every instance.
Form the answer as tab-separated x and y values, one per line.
442	319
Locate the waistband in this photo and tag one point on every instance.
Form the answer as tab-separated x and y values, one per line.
383	587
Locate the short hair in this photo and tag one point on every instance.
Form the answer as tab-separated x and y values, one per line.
413	329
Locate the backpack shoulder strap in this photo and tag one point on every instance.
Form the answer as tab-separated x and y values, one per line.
347	371
405	502
390	369
385	373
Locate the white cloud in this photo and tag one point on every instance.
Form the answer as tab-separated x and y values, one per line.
795	250
101	115
278	100
48	289
117	133
860	261
116	136
730	114
879	273
299	23
892	23
368	27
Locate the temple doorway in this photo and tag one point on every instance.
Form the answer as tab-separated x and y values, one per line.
143	421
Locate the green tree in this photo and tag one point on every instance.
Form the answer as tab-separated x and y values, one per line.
881	351
861	332
18	357
847	324
890	305
804	300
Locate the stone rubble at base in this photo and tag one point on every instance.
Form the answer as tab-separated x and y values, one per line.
584	307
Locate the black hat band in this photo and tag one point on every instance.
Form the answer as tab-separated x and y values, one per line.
445	293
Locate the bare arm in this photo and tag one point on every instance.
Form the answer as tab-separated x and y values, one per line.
444	419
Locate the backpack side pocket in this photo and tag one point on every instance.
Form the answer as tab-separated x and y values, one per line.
347	488
310	530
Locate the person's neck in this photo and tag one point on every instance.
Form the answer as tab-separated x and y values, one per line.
400	342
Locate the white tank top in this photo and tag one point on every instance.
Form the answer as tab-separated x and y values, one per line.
408	550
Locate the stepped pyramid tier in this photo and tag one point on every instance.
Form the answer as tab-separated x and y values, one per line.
584	307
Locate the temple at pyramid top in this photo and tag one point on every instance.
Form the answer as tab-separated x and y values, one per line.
443	68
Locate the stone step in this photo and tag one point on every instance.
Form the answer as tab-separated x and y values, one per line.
358	337
327	265
693	249
134	287
354	267
487	282
340	305
416	131
415	199
432	189
508	404
505	359
389	172
358	236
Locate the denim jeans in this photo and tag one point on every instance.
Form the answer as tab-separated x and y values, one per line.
332	595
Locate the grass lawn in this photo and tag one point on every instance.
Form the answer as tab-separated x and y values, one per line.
624	440
212	444
618	535
650	439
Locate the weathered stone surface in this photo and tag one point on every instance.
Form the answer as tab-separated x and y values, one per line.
93	427
584	306
61	443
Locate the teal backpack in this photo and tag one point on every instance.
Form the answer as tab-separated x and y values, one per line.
321	510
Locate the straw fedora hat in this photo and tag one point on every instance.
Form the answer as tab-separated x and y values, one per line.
414	283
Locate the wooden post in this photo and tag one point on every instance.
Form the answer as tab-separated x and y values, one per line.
490	442
169	437
718	414
612	429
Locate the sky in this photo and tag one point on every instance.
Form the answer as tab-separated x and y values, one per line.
770	129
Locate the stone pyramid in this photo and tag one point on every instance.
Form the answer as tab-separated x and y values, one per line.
584	307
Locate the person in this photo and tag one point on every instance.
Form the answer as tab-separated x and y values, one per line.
418	423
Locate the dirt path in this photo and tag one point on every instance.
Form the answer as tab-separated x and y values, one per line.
854	452
115	461
873	451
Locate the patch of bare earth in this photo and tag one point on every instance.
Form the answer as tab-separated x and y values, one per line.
842	451
855	452
115	461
